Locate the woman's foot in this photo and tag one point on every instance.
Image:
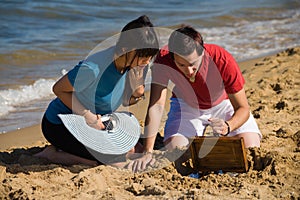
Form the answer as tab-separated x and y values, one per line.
64	158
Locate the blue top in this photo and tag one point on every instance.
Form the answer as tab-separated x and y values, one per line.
98	85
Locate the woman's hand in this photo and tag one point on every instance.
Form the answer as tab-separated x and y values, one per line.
134	87
93	120
136	77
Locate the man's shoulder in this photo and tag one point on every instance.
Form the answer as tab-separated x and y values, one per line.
217	52
212	48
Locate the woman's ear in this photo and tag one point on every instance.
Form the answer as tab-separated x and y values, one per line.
121	52
124	50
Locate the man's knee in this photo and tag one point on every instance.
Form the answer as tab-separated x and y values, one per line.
177	141
250	139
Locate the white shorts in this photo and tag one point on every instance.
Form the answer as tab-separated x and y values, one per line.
189	122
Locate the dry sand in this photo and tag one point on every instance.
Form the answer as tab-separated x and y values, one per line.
272	87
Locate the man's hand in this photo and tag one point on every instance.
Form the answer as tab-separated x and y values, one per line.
141	163
219	126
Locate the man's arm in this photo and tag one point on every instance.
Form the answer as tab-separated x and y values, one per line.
239	117
153	118
154	115
241	109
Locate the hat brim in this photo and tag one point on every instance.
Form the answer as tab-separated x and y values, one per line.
120	140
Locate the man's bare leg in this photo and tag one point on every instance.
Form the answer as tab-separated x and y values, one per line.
180	142
250	139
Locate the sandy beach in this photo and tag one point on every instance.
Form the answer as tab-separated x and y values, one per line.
273	91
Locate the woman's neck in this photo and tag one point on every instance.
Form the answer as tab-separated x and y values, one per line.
120	63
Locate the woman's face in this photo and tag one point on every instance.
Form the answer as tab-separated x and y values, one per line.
140	61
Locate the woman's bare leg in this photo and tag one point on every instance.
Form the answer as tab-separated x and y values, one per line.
61	157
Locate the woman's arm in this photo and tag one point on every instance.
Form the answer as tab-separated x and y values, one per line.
134	88
137	95
63	89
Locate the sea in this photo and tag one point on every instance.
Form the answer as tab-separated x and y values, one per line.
40	40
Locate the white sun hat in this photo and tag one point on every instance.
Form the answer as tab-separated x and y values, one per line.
120	136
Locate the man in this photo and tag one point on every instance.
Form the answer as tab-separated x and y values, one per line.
208	91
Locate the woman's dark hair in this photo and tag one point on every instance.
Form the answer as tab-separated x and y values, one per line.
138	35
185	40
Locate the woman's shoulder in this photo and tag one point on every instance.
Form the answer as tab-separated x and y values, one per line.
101	55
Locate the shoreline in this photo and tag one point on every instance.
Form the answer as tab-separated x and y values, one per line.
25	137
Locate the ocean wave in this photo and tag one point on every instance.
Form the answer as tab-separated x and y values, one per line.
10	99
247	39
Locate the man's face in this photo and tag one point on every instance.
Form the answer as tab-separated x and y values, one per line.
188	65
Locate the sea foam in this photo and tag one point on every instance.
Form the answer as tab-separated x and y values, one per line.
11	98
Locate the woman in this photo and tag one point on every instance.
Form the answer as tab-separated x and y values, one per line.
96	87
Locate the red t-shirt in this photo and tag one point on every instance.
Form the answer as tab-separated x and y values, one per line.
218	75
